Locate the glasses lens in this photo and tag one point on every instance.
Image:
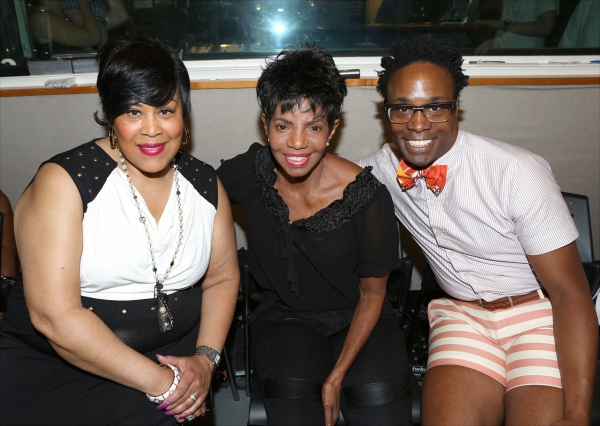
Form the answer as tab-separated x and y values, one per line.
438	113
400	114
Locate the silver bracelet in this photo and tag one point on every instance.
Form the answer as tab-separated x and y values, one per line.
209	353
176	377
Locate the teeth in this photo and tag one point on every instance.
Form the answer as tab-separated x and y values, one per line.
296	159
419	143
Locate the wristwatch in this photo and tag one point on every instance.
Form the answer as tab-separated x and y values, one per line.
505	26
209	353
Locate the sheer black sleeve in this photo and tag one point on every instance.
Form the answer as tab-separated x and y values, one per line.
377	236
238	174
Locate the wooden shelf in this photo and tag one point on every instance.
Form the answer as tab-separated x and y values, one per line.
353	82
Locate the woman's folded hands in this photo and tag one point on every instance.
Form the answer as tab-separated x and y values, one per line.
188	397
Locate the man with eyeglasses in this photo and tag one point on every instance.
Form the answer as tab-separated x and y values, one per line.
515	341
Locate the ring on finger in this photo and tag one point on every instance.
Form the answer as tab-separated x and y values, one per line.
194	398
190	418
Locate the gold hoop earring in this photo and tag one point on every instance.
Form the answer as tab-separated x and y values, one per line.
111	137
187	135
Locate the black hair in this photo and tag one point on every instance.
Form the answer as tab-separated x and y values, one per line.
139	69
422	49
299	73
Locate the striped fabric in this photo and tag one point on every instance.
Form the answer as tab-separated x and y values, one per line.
514	346
499	204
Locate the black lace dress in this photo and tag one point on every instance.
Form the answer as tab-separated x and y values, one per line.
310	270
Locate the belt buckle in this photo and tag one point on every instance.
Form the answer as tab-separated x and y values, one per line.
510	301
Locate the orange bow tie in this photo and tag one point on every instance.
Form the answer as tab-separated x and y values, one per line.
435	177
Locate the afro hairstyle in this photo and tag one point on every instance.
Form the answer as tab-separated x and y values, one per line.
422	49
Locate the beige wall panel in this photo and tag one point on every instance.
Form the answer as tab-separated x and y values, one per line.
559	123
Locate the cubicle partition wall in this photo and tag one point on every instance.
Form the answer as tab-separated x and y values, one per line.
557	122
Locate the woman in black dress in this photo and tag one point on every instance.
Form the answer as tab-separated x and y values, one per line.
323	239
128	257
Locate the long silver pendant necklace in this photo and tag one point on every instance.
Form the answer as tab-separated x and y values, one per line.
165	318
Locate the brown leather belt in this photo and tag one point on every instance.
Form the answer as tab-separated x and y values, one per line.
510	301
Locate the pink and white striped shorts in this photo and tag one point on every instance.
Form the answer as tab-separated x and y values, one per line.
515	346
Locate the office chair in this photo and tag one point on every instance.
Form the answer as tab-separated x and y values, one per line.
580	212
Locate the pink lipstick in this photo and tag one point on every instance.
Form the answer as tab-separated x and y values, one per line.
152	148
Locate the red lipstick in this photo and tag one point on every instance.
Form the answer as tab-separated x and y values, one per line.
152	149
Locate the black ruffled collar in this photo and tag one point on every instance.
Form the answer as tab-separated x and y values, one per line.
356	194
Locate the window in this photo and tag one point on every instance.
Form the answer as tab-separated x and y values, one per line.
61	36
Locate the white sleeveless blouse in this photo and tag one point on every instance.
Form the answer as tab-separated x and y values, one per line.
115	262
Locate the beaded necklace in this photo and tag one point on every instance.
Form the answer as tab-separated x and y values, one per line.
165	318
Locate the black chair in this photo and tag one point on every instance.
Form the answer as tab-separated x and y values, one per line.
248	286
580	212
398	282
1	228
230	375
225	361
5	288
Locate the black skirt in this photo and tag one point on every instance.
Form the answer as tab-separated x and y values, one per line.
37	387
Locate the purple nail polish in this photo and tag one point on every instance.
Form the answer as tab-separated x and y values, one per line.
183	416
162	406
203	414
168	413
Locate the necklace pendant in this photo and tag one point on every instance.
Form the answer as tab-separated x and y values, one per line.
165	319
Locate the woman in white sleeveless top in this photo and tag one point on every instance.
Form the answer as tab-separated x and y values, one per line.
129	260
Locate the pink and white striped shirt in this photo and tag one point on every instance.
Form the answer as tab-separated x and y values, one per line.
499	204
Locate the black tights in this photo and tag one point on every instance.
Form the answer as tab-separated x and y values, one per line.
286	348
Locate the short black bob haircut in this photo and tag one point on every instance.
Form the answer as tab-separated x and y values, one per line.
139	69
298	73
422	49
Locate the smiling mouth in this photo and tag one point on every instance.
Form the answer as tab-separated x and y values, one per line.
419	143
297	160
152	148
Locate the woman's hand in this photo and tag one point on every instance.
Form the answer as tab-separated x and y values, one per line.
368	310
332	388
196	375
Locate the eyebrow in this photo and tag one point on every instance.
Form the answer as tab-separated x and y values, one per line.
317	120
432	99
139	104
309	123
284	120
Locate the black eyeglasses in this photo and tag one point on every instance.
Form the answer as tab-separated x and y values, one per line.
434	113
